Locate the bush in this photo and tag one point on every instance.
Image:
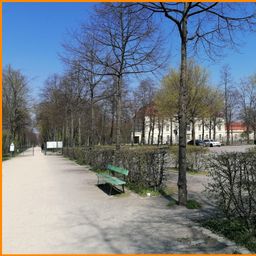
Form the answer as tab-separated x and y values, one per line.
196	157
233	186
97	157
193	204
146	165
232	229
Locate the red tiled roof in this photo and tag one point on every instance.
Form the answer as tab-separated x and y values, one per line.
237	126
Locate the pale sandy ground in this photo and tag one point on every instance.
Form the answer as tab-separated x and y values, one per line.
241	148
51	205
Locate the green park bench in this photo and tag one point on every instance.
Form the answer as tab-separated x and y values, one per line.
110	177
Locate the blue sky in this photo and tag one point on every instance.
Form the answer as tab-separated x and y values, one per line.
33	32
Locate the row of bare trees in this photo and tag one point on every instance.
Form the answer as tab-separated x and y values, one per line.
69	112
17	122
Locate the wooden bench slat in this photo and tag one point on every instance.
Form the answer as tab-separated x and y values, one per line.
117	169
112	180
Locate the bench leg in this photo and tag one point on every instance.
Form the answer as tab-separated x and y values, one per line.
110	190
123	188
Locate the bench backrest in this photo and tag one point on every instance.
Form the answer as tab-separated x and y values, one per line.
117	169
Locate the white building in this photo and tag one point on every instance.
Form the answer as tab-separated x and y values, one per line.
164	131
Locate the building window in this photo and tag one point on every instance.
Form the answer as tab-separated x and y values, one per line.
219	127
206	137
168	139
220	137
167	127
188	128
200	137
188	137
199	127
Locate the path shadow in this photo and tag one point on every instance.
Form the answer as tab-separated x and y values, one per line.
106	189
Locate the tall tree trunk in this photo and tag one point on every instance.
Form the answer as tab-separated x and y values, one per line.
111	136
210	129
91	136
247	134
133	129
149	131
182	179
193	131
153	130
118	113
143	130
162	131
203	129
171	136
214	128
159	131
79	132
72	131
67	133
228	134
63	134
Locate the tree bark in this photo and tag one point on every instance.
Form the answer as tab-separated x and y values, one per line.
159	131
182	179
153	130
171	136
203	129
91	136
162	131
193	131
133	129
143	130
118	113
111	136
210	129
79	131
72	131
214	129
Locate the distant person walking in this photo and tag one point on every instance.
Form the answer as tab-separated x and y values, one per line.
42	147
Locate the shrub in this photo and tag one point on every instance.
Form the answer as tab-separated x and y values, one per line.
232	229
196	157
146	165
233	186
97	158
193	204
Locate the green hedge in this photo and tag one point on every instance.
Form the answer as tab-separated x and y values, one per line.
196	157
147	166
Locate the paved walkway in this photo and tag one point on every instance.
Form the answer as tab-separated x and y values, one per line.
51	205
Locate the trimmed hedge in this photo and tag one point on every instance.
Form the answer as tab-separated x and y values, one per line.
196	158
147	166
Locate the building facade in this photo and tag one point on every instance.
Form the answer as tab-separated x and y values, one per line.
166	131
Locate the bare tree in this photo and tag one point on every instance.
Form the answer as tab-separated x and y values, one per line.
144	95
207	26
228	107
80	55
16	113
129	46
248	105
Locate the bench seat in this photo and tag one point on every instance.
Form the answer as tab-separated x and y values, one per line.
111	178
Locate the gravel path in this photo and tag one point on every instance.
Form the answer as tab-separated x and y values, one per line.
240	148
52	205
